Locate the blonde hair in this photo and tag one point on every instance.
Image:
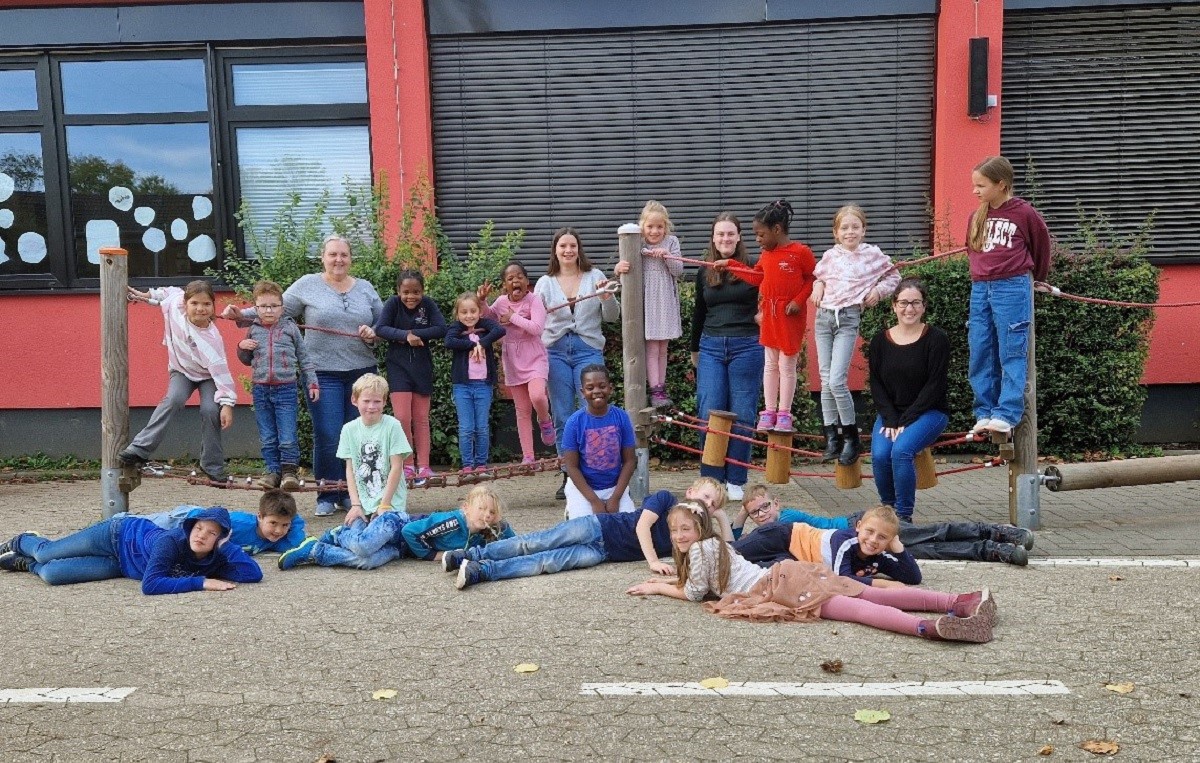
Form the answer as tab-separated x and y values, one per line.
722	495
476	498
1000	171
369	383
464	297
850	210
757	490
656	209
698	514
885	514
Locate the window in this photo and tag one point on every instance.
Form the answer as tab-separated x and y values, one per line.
153	152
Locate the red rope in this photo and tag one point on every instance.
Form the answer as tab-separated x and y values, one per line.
751	440
1054	291
687	261
930	258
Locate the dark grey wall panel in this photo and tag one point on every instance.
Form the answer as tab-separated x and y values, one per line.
447	17
1102	105
540	131
216	22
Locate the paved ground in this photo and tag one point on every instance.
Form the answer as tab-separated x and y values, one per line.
285	670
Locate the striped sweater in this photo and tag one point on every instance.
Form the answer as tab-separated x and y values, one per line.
197	353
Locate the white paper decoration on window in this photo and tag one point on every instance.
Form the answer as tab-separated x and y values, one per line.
144	215
7	186
154	240
31	247
121	198
202	249
201	207
179	229
100	233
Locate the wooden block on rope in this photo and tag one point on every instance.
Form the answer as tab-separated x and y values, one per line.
779	461
848	477
926	470
716	441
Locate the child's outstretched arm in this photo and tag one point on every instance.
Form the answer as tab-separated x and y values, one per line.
645	525
657	588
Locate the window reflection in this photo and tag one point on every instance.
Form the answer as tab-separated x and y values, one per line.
147	188
18	90
278	161
22	205
299	83
134	87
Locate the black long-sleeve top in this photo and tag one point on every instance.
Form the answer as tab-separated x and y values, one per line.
725	310
909	379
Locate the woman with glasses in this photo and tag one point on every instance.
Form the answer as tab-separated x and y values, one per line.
908	366
342	309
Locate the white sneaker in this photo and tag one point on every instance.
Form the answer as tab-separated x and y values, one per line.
999	425
980	426
734	491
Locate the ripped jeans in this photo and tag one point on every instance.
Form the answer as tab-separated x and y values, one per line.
998	333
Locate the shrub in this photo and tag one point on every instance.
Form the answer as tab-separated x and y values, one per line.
1089	358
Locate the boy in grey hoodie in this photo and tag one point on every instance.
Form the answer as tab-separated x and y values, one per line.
274	350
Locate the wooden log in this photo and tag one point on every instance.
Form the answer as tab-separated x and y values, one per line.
716	441
779	462
633	350
114	381
1138	471
926	470
848	477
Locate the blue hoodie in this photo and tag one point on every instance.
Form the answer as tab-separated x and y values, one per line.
245	528
444	531
164	562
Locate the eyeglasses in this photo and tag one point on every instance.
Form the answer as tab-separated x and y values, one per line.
346	302
761	508
913	303
268	307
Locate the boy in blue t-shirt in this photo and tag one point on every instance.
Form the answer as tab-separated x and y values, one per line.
585	541
598	450
276	528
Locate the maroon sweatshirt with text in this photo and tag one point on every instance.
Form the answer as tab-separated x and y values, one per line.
1015	241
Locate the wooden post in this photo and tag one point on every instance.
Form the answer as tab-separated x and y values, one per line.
1023	509
779	462
115	483
926	470
1137	471
848	477
633	346
716	441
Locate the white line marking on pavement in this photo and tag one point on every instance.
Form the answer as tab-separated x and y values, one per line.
1088	561
830	690
67	694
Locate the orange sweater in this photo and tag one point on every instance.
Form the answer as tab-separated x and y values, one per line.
783	276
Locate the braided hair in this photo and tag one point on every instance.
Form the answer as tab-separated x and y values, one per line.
778	212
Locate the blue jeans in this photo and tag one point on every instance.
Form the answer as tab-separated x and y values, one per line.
329	414
363	545
474	403
275	410
892	461
568	357
729	378
835	333
570	545
998	332
90	554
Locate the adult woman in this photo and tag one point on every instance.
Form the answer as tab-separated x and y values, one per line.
572	334
725	348
908	383
334	300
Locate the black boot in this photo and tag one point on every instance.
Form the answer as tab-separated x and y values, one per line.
561	495
853	448
833	443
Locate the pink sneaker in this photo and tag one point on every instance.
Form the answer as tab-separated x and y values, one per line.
547	428
409	472
528	460
766	421
783	422
426	473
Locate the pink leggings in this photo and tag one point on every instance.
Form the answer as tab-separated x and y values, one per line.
779	380
884	608
412	411
656	362
529	397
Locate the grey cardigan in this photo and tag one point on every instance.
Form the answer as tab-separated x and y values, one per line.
585	319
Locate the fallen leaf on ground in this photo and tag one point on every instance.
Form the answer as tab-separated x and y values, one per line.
1115	578
1046	750
384	694
526	667
832	666
715	683
872	716
326	759
1100	747
1121	688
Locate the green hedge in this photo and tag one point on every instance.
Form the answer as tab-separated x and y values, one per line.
1090	358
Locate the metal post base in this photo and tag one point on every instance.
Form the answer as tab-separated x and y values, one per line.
1029	513
639	486
113	500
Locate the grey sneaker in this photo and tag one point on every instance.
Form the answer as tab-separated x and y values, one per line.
469	573
298	556
325	509
453	559
1007	553
1018	536
14	562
